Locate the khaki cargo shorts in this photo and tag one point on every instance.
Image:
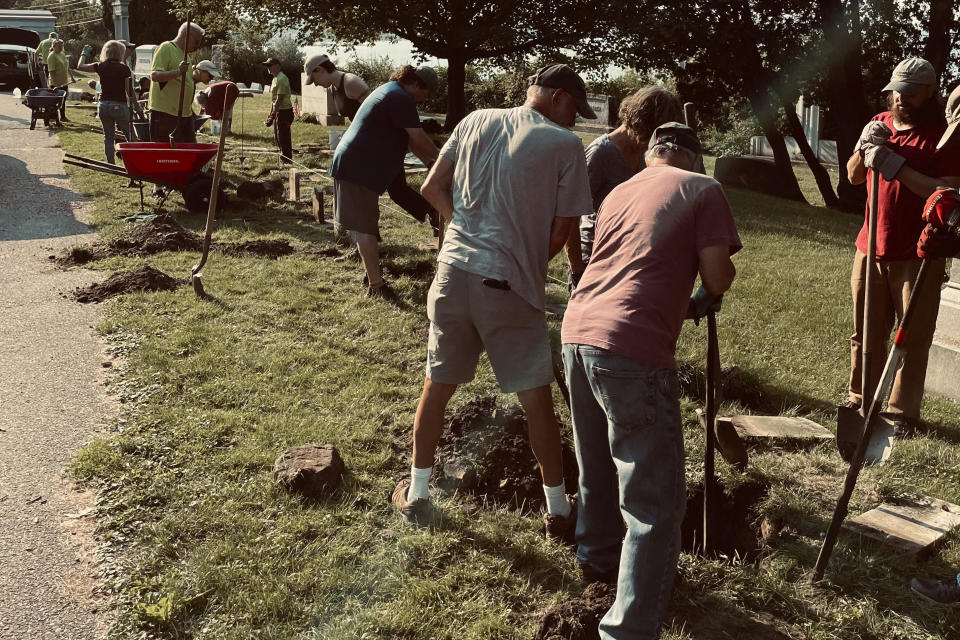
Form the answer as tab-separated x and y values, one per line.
467	317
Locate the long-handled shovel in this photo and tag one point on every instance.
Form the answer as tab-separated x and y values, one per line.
870	426
183	86
195	274
709	456
849	420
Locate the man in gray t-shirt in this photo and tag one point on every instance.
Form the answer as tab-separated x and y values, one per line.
512	183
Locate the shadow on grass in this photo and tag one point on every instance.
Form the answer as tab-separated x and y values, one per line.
708	617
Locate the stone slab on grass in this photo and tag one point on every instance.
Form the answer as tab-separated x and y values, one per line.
911	526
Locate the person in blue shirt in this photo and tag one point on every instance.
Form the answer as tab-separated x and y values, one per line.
370	155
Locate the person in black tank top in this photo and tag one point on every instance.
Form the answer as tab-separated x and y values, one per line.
349	91
116	94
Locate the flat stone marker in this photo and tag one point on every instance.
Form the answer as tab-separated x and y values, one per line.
912	526
779	427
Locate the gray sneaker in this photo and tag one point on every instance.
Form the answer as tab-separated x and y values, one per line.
937	591
418	512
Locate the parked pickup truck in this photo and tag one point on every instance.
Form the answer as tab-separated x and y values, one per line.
19	64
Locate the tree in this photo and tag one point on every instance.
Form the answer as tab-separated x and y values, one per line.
459	31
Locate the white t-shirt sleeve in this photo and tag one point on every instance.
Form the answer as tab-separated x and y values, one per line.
573	189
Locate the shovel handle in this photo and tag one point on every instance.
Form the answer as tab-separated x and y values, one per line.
214	194
709	455
183	86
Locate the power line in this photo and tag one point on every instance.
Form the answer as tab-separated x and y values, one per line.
74	24
61	5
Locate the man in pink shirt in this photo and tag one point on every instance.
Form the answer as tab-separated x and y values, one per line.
654	234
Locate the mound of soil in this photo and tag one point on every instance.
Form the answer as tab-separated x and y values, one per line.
485	452
259	189
163	233
262	248
143	279
578	618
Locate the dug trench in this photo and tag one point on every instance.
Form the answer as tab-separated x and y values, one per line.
163	233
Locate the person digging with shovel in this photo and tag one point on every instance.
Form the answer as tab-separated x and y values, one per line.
911	148
654	233
168	115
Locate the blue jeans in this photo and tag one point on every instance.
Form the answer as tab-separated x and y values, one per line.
627	432
112	115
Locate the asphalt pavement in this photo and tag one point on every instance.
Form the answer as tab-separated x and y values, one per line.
51	403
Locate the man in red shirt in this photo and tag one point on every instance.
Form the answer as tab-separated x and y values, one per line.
906	144
654	233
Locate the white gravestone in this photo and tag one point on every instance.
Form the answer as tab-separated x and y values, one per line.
943	368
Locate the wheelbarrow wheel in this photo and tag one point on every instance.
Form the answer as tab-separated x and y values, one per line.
196	194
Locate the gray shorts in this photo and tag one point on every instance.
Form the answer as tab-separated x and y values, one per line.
357	208
467	317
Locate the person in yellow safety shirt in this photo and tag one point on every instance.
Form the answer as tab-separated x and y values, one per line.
43	50
59	73
169	72
281	110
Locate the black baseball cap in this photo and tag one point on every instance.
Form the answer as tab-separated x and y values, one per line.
678	134
560	76
271	61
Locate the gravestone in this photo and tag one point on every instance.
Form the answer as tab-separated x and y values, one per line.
756	174
606	118
319	101
943	368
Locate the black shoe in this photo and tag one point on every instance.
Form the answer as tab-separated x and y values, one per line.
64	119
593	575
383	291
937	591
903	427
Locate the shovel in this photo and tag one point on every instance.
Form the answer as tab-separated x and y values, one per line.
850	421
195	274
870	427
183	86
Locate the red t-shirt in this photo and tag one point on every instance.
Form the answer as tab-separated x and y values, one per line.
899	210
633	297
222	96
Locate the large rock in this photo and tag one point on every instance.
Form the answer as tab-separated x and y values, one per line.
756	174
313	470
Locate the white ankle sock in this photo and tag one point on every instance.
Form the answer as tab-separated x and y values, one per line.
419	483
557	503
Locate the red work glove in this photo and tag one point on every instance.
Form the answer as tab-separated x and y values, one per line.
937	243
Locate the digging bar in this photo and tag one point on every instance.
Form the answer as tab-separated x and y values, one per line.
709	455
195	274
869	425
850	421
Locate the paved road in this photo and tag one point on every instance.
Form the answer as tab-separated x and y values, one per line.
50	400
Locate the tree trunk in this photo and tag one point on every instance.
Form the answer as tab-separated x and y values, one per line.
766	115
937	49
456	84
819	173
847	105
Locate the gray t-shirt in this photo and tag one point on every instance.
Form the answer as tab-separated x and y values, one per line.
606	169
514	171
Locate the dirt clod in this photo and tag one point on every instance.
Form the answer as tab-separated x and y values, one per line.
312	470
578	618
485	452
143	279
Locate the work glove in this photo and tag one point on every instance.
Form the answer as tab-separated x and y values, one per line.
269	121
936	242
942	210
883	159
875	133
703	302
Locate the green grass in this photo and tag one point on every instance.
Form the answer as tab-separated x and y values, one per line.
198	542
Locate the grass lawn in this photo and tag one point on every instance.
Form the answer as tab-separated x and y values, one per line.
199	543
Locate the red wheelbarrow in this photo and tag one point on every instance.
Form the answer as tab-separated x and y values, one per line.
176	168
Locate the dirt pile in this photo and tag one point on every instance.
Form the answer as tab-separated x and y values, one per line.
578	618
261	248
259	189
485	452
163	233
143	279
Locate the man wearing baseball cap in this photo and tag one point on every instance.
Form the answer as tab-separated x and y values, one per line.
512	183
281	110
908	145
654	234
169	72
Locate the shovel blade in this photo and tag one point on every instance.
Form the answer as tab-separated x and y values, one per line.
850	428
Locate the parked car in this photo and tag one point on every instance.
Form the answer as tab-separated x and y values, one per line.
19	63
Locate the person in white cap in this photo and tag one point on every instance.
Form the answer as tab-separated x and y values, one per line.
907	146
117	100
349	91
370	155
168	71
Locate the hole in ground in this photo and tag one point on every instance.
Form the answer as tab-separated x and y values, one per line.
736	526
